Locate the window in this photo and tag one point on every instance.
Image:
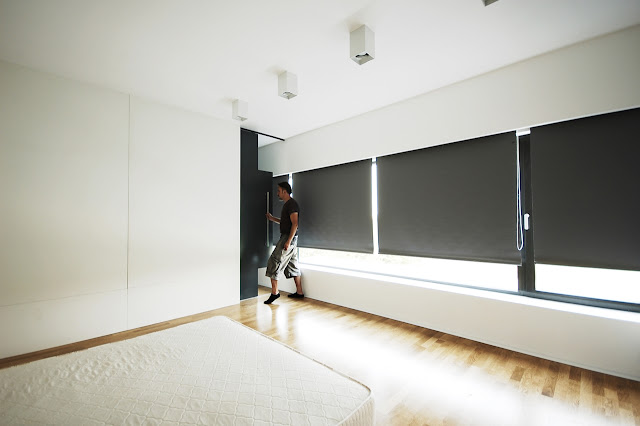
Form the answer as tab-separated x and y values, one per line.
335	207
454	201
585	207
453	214
421	233
488	275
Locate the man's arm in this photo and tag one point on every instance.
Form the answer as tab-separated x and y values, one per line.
294	228
272	218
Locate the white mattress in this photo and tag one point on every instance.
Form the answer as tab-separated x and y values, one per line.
214	371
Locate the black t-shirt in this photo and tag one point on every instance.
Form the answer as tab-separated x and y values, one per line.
289	207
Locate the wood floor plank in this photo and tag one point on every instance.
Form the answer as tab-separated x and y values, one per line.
421	376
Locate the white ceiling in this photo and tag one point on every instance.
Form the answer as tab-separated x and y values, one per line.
202	54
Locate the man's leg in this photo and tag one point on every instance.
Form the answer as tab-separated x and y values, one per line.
298	294
298	282
274	268
274	292
293	271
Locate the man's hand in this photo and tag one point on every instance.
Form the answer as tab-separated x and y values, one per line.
272	218
286	245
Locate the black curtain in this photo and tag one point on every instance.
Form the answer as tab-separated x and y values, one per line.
455	201
335	207
585	178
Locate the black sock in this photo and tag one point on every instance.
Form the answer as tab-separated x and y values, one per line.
271	298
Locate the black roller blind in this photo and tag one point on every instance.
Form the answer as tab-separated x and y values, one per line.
455	201
585	177
335	207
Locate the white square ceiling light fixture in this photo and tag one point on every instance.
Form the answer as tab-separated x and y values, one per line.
362	45
240	110
287	85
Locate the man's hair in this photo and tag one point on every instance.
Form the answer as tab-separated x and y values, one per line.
285	186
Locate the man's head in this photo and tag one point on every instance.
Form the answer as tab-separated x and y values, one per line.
284	191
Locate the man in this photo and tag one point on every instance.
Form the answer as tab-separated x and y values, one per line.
285	256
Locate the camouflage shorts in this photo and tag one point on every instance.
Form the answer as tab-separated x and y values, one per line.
284	261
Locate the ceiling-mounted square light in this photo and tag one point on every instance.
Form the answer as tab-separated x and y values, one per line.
240	110
362	45
287	85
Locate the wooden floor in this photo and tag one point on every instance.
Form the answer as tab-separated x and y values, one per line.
423	377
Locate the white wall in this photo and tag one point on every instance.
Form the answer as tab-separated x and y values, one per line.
184	238
600	75
104	227
594	77
63	183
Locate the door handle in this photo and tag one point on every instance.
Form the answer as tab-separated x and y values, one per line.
268	219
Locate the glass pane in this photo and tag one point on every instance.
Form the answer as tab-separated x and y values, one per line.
595	283
494	276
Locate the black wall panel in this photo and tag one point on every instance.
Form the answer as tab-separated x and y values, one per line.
254	186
